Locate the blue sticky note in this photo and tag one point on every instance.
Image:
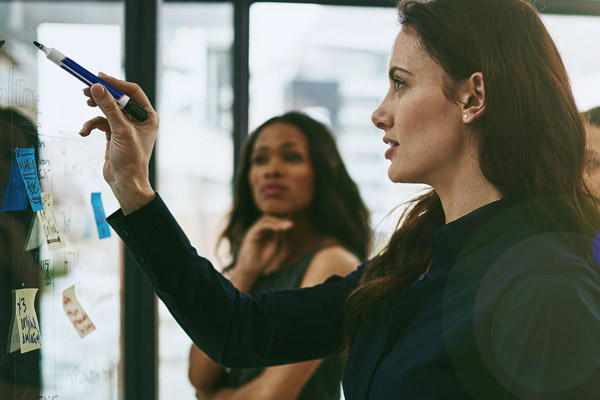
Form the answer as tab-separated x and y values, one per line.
103	227
15	195
26	162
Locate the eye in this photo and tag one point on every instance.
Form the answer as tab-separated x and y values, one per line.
259	160
398	84
292	157
592	163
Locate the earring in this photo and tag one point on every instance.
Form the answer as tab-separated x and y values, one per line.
466	116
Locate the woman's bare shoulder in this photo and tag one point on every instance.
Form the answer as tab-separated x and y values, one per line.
333	259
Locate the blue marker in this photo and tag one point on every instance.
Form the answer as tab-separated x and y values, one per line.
85	76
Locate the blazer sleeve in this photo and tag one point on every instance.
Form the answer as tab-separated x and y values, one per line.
233	328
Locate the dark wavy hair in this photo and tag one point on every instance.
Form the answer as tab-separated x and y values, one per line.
337	209
592	116
531	138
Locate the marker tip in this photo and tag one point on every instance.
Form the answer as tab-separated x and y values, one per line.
38	44
2	43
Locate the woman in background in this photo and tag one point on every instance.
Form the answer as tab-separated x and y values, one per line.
292	193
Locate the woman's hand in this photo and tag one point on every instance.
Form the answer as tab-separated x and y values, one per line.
262	251
129	143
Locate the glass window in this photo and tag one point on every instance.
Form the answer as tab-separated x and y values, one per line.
66	366
577	40
331	62
194	149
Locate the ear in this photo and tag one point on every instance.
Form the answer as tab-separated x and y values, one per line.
472	95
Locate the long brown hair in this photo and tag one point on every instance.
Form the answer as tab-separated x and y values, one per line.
337	209
531	138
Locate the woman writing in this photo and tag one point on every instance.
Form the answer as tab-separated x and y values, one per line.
488	289
292	193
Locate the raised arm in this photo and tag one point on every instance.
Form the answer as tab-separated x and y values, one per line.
233	328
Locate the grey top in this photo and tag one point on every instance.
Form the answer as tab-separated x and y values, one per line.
324	384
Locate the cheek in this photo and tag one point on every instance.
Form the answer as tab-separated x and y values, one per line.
305	183
253	182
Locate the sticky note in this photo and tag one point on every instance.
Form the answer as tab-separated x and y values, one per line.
34	237
14	341
26	162
15	194
49	225
76	314
24	329
101	224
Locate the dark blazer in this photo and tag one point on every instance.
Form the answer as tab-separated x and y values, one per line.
508	310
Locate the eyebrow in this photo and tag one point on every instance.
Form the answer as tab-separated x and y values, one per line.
284	145
398	69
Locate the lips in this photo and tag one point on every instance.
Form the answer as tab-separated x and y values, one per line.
272	189
393	144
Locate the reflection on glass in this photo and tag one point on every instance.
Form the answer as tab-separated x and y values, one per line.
33	89
194	149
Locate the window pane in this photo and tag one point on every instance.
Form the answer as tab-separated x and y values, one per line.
70	167
577	40
332	62
194	149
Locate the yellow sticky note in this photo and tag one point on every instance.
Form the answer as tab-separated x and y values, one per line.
76	314
26	334
49	224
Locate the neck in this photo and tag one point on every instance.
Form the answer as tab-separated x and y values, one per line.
304	236
465	191
459	203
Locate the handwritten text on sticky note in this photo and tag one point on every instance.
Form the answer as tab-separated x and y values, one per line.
76	314
26	162
26	318
49	224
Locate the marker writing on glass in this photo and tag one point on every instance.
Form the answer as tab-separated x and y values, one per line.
124	101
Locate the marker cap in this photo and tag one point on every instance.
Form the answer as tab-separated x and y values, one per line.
136	110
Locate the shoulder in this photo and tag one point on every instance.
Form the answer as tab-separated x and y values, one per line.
328	261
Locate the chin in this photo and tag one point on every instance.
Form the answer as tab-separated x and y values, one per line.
275	209
399	176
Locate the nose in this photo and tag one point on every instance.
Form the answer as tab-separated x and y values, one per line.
381	117
272	168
